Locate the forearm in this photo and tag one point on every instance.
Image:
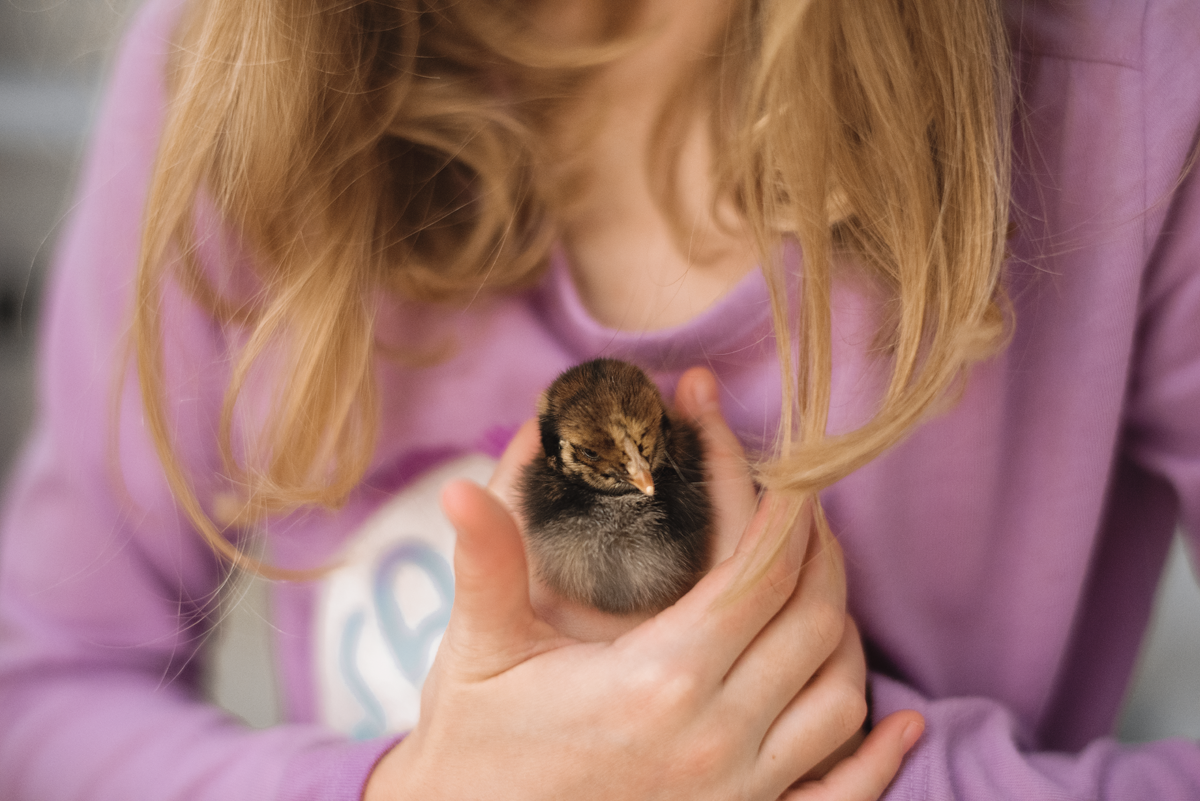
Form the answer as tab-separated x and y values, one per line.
108	734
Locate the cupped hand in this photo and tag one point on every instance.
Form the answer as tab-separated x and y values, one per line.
735	692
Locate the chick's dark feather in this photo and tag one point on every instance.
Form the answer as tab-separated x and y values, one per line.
616	511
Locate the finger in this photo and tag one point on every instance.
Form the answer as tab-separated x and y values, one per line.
812	627
825	714
731	489
522	449
711	626
578	620
734	495
492	623
866	774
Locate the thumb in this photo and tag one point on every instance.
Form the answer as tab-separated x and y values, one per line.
492	625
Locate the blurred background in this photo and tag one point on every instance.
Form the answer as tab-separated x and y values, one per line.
53	59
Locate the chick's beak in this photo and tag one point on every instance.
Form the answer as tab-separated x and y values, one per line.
639	470
641	479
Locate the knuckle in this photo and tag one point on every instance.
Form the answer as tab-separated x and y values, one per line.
662	690
826	623
778	585
777	589
849	708
704	752
704	756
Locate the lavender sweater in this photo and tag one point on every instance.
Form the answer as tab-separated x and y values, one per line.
1002	561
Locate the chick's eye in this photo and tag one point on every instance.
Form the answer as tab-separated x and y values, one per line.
589	454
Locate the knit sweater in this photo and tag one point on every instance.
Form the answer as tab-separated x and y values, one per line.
1002	560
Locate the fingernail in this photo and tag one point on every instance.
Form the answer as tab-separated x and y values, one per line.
912	732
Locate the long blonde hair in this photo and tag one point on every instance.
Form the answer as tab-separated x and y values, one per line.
367	150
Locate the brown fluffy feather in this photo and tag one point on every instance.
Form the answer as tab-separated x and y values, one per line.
616	510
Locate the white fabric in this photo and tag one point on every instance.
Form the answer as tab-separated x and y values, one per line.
383	611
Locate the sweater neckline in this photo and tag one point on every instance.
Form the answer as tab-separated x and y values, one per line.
737	320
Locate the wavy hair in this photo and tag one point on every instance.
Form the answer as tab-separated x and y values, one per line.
391	148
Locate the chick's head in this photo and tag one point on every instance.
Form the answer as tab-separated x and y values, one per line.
602	422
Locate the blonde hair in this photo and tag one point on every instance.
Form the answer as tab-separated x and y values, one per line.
360	151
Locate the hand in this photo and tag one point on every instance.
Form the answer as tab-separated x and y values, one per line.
724	695
863	766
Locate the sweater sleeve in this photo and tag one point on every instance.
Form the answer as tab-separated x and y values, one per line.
973	747
1163	409
970	752
106	593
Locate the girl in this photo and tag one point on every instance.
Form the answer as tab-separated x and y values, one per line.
351	242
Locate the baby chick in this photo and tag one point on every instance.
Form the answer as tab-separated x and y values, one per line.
616	512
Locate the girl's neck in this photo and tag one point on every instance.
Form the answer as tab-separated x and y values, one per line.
633	269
